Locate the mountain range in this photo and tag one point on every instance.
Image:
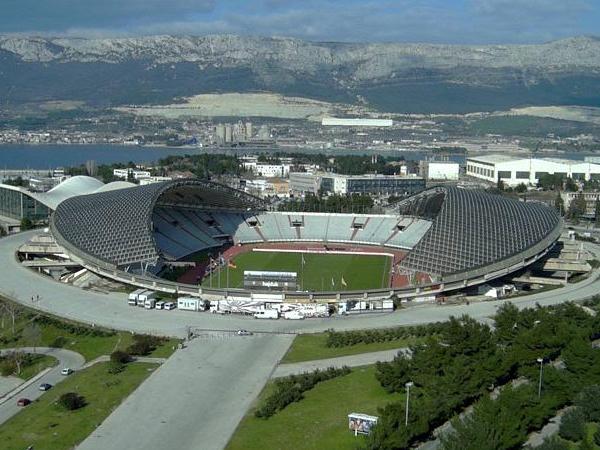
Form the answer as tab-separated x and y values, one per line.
419	78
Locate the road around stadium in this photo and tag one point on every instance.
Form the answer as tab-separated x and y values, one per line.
196	399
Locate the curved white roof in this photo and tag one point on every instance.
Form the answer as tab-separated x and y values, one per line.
114	186
79	185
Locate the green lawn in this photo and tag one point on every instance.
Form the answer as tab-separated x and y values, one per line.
38	363
358	271
319	421
87	344
307	347
46	426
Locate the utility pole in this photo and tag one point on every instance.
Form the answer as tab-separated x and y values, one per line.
541	361
408	386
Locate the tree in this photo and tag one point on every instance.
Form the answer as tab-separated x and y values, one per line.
71	401
572	425
26	224
12	310
32	334
597	437
589	402
521	188
559	204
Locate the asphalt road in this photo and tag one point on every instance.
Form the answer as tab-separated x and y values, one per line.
196	399
112	310
66	358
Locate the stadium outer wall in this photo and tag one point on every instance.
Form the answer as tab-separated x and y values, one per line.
450	282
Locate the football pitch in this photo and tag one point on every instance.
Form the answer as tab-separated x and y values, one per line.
320	272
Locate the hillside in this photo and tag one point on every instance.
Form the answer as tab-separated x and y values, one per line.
388	77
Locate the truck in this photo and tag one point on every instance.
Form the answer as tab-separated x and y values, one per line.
267	314
189	303
132	299
144	296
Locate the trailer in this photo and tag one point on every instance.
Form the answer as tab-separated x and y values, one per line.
267	314
189	303
144	296
132	299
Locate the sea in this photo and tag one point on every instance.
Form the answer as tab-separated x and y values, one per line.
51	156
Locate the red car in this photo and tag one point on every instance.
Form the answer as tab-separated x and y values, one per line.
23	402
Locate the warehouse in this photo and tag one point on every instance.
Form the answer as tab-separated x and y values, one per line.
514	170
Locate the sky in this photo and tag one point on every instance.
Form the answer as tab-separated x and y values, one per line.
433	21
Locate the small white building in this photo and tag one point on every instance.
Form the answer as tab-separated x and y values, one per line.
152	180
440	170
124	174
514	170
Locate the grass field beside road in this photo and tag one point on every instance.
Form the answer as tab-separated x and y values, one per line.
44	425
319	421
320	272
308	347
89	342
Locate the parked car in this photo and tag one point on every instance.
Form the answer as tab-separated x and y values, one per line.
160	305
170	305
45	386
243	333
23	402
66	371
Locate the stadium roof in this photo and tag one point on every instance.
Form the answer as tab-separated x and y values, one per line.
115	226
473	229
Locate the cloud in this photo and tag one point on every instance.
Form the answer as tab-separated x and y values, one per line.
436	21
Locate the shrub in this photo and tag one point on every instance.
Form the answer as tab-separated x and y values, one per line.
552	443
120	357
597	437
71	401
115	367
572	425
290	389
59	342
143	344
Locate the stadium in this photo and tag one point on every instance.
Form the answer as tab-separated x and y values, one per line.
225	244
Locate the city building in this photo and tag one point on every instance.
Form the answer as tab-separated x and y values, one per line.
590	201
514	170
267	170
439	170
355	184
136	174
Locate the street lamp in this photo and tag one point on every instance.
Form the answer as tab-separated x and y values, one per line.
408	386
541	361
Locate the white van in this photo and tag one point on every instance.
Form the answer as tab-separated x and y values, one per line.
160	305
169	306
150	303
267	314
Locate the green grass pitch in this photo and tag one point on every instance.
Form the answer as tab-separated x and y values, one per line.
359	271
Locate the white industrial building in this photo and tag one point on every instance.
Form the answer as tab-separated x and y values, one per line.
514	170
439	170
336	121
